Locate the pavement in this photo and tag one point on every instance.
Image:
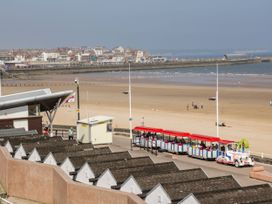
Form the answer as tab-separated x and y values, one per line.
211	168
16	200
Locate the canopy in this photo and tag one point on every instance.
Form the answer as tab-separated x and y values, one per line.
43	97
176	133
226	142
148	129
204	138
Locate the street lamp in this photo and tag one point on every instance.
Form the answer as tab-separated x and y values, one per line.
130	114
78	104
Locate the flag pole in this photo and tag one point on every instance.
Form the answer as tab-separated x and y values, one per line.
217	103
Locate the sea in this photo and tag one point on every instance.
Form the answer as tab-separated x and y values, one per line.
243	75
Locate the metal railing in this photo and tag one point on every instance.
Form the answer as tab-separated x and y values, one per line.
262	155
5	201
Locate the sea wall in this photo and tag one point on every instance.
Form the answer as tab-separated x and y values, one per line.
86	68
49	184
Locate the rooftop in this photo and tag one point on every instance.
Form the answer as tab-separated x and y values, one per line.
79	161
44	97
96	119
178	191
147	170
250	194
148	182
99	168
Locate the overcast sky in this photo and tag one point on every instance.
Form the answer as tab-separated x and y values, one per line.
147	24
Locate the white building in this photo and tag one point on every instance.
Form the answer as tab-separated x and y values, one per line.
140	57
50	56
98	51
95	130
118	49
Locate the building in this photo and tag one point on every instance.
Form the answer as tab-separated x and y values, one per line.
50	56
22	110
95	130
118	50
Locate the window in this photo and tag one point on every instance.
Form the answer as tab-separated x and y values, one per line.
109	127
33	110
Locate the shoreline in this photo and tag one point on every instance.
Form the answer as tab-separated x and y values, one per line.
77	69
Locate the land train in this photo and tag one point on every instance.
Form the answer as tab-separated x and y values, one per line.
194	145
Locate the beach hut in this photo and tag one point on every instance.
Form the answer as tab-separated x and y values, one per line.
95	130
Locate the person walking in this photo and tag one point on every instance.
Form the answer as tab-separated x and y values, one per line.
71	133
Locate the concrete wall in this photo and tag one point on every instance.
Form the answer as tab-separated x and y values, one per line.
48	184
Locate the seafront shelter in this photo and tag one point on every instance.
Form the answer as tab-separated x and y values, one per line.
22	110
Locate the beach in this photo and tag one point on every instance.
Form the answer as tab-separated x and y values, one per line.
244	110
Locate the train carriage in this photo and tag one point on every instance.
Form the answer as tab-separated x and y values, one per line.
203	147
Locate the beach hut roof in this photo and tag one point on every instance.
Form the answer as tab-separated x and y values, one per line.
61	156
250	194
178	191
99	168
146	170
78	161
148	182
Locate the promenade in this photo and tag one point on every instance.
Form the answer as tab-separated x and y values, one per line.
211	168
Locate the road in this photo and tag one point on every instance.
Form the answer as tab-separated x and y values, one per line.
211	168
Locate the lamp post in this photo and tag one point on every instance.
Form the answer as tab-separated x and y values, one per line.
130	112
78	104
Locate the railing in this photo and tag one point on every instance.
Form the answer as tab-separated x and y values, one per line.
262	155
4	201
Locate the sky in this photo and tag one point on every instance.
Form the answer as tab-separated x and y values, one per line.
145	24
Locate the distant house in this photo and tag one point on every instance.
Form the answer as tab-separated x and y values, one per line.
50	56
85	57
158	59
118	49
99	51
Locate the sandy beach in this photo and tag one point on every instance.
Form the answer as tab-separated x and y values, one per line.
245	111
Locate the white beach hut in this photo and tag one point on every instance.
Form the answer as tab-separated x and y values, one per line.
95	130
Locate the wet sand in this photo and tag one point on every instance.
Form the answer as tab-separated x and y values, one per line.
245	111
